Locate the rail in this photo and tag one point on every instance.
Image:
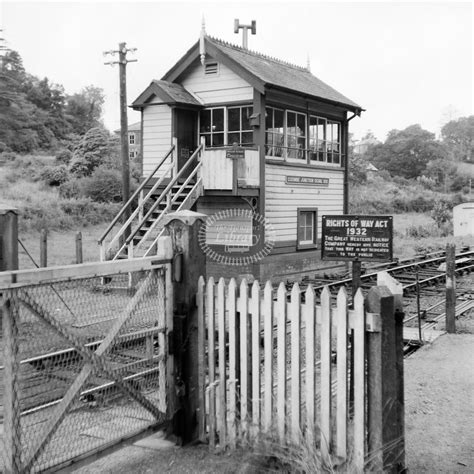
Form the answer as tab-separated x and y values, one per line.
129	203
166	193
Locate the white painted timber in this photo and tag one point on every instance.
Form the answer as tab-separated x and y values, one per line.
283	200
218	171
223	87
156	137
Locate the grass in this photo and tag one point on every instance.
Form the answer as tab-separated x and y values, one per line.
61	246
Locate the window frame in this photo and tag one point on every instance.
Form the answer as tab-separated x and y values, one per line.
131	138
241	131
225	130
211	132
303	244
327	148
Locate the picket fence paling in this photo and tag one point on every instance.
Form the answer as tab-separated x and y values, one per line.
265	375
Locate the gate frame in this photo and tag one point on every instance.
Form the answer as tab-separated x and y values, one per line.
16	280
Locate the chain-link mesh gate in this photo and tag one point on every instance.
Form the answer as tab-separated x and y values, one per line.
84	364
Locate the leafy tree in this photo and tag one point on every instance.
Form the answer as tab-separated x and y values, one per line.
459	136
93	150
406	152
441	170
84	109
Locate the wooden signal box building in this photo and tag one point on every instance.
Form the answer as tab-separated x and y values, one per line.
249	133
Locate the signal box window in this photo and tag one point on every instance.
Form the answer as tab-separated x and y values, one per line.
307	228
238	126
212	126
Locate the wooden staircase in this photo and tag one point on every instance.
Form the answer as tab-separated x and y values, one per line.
173	190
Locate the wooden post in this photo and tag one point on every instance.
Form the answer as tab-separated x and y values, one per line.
385	385
8	238
43	248
11	402
356	271
183	228
356	281
450	288
79	258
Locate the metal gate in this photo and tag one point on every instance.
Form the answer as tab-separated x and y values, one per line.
84	362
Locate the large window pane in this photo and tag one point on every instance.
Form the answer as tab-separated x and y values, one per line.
205	120
217	139
233	119
246	113
233	138
278	120
218	120
247	138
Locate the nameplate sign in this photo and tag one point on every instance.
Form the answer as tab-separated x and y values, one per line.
307	180
235	153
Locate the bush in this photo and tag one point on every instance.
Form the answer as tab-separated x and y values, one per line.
9	156
71	189
105	185
441	213
64	157
55	175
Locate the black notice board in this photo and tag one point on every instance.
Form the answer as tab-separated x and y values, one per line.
364	238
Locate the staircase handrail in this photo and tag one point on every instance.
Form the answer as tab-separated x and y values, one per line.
134	214
173	200
155	241
164	193
135	194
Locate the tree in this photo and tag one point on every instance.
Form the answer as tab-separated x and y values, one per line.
95	149
407	152
458	135
84	109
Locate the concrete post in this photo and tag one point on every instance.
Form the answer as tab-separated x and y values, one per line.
189	263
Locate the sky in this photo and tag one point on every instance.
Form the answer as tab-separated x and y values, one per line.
405	63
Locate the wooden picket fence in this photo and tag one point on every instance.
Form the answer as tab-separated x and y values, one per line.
279	364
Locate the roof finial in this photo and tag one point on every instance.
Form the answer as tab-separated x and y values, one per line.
308	63
245	28
202	46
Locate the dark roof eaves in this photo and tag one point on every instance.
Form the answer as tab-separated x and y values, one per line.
354	107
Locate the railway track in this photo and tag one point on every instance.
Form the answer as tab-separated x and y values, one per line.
426	274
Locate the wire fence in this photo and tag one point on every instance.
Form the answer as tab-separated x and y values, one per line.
84	364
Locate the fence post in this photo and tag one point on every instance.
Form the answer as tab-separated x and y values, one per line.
43	248
9	330
8	241
450	288
386	429
8	238
188	265
79	258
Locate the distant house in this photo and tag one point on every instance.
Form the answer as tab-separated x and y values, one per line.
362	145
134	139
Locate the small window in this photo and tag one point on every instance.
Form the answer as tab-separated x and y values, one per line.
212	126
307	226
132	154
211	68
131	138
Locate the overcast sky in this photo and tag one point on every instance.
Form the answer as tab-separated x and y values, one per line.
405	63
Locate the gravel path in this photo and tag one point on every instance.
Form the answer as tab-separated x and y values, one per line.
439	399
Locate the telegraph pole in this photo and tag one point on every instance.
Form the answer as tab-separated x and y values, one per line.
122	62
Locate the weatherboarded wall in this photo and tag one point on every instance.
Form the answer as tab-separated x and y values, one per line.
223	87
283	200
156	136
